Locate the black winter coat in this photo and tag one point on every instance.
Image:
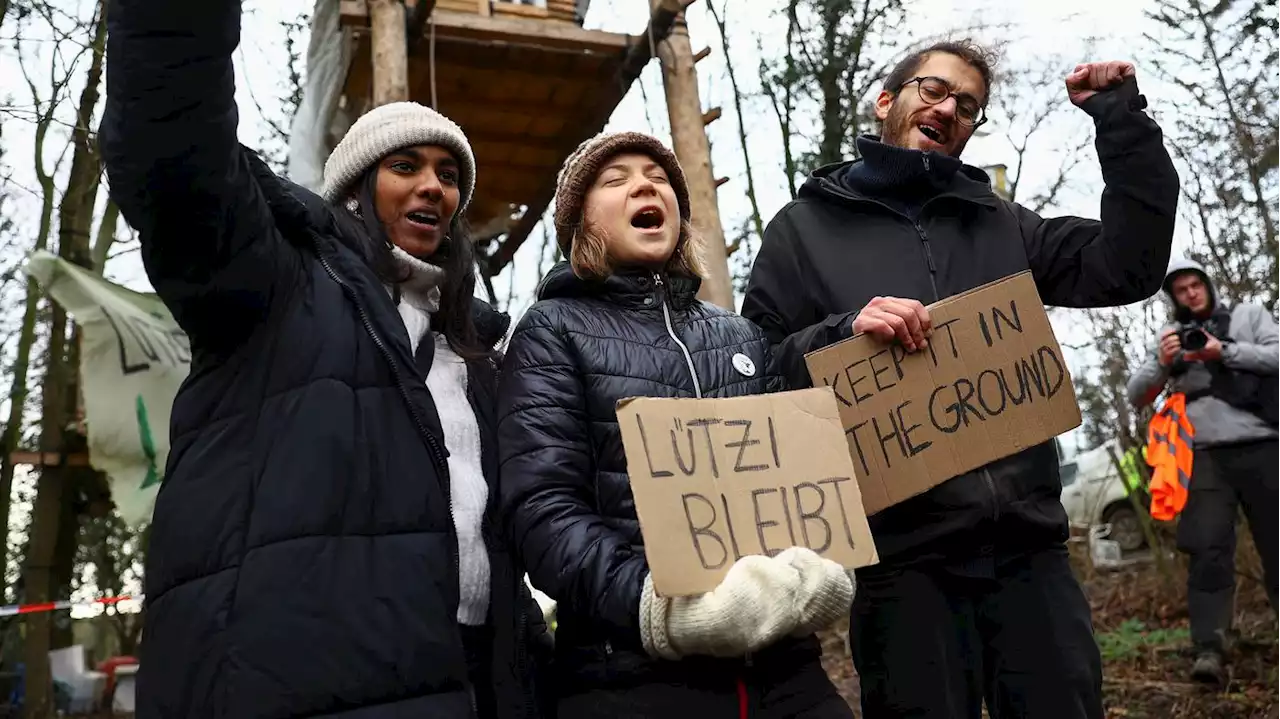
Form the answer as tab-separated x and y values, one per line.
830	251
566	499
303	557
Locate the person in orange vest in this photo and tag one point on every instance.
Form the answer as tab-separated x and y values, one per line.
1222	362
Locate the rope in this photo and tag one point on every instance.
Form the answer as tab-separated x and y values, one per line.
431	59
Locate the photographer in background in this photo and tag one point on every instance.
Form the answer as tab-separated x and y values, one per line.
1224	361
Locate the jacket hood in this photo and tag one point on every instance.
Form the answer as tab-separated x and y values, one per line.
1181	265
628	287
491	324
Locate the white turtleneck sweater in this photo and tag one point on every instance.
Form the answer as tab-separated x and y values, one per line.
469	492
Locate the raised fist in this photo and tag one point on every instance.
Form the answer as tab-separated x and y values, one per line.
1088	80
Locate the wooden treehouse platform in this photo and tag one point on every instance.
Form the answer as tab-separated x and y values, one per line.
527	84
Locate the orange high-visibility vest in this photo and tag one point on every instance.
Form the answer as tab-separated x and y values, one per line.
1169	439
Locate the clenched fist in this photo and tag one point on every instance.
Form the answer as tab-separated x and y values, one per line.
888	317
1088	80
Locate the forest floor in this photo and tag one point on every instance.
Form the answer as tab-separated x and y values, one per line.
1140	621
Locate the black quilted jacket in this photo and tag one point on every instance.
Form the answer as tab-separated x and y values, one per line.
565	497
303	555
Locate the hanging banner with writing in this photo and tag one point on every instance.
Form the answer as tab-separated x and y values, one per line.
133	357
991	383
718	479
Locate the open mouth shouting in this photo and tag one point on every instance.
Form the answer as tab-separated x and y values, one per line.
933	132
649	219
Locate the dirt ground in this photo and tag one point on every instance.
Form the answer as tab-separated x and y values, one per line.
1140	620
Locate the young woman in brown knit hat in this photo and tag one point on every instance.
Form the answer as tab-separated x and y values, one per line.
619	320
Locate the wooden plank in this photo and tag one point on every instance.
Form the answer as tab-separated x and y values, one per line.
485	7
531	65
563	9
513	188
49	459
527	32
457	5
465	106
482	79
506	164
523	151
501	8
516	30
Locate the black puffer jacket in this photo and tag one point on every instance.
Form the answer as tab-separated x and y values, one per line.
566	499
303	555
829	252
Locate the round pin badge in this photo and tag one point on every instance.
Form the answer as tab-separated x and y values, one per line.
744	365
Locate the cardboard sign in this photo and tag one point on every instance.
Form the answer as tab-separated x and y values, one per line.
991	383
719	479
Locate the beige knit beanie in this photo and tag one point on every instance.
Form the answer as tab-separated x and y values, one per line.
580	169
387	128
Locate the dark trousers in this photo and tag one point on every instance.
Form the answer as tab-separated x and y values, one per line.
477	643
930	642
1223	479
806	693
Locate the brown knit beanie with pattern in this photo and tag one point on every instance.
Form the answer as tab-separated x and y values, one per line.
581	167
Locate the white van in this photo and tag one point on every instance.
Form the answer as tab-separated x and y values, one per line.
1093	493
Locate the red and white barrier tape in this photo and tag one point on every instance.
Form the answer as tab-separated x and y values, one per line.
15	609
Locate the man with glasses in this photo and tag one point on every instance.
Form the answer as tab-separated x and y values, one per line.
973	598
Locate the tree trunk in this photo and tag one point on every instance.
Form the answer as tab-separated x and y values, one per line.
830	74
18	389
47	572
689	137
390	51
756	220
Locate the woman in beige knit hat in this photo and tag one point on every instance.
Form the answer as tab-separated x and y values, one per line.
322	543
620	319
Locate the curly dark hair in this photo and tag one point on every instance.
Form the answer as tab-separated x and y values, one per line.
981	58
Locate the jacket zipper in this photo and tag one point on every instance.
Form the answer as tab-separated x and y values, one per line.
933	284
933	271
688	358
437	454
526	657
666	317
928	256
995	498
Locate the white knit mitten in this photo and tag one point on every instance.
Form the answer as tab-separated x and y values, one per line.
826	590
757	602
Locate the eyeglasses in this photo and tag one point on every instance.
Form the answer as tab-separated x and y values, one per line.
934	90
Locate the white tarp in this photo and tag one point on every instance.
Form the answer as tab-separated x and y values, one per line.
328	55
133	358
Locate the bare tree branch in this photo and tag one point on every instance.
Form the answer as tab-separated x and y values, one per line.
742	126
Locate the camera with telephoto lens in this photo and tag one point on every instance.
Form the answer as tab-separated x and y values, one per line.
1192	336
